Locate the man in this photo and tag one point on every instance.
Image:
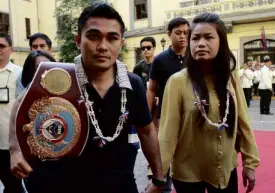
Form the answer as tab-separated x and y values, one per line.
38	41
166	64
272	68
265	87
8	75
246	76
142	69
104	166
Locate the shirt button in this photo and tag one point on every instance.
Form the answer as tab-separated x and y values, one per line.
219	167
219	152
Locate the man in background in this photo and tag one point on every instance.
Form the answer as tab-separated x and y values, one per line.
8	75
142	69
265	87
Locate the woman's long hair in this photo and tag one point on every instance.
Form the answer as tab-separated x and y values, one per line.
222	66
29	68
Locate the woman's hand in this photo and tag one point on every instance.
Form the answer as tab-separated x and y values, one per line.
248	179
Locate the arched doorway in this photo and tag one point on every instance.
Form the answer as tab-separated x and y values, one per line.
254	50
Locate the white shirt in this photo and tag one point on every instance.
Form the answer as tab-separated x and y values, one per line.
273	79
246	77
257	76
8	77
266	78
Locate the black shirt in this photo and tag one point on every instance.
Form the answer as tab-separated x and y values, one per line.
142	69
164	65
117	157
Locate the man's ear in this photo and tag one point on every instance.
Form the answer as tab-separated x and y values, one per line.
77	39
122	43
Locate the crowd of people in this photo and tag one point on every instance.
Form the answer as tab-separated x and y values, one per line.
186	105
259	80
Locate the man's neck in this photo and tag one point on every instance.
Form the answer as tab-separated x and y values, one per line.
102	80
179	51
149	60
3	64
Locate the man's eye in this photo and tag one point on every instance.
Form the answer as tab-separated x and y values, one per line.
93	37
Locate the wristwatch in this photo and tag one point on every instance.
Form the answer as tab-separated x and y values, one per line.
158	182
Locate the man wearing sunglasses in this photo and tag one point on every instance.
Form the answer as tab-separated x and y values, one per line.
142	69
8	75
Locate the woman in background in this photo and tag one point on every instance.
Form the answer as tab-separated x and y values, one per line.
30	66
203	110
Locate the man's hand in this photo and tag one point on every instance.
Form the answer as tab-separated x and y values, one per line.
19	166
151	188
248	179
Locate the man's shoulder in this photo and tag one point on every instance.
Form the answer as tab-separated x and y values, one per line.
162	55
16	68
135	81
139	65
134	78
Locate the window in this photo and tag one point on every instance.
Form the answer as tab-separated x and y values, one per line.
141	9
4	23
28	27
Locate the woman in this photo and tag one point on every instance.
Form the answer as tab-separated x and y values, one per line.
203	110
31	65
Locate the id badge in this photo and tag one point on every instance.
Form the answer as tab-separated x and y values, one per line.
4	95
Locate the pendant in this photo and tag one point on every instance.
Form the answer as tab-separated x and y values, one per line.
222	126
101	142
80	100
124	116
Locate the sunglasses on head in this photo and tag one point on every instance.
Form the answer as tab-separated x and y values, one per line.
146	47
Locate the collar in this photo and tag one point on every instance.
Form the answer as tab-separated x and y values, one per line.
172	54
122	78
8	67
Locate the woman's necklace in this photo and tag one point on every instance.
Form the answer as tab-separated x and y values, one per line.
122	119
201	103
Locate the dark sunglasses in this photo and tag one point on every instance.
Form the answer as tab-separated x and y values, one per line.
146	47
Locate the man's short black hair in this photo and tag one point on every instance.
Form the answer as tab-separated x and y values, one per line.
101	10
42	36
149	39
7	38
176	22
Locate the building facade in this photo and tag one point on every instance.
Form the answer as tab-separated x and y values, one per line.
247	21
22	18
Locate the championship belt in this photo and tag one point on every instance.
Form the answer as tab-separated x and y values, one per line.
51	121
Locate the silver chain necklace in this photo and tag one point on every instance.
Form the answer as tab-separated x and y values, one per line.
122	119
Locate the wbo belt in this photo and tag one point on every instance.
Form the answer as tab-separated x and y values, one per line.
51	121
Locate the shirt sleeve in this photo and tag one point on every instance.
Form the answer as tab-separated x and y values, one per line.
248	147
154	71
19	86
142	116
250	74
169	128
